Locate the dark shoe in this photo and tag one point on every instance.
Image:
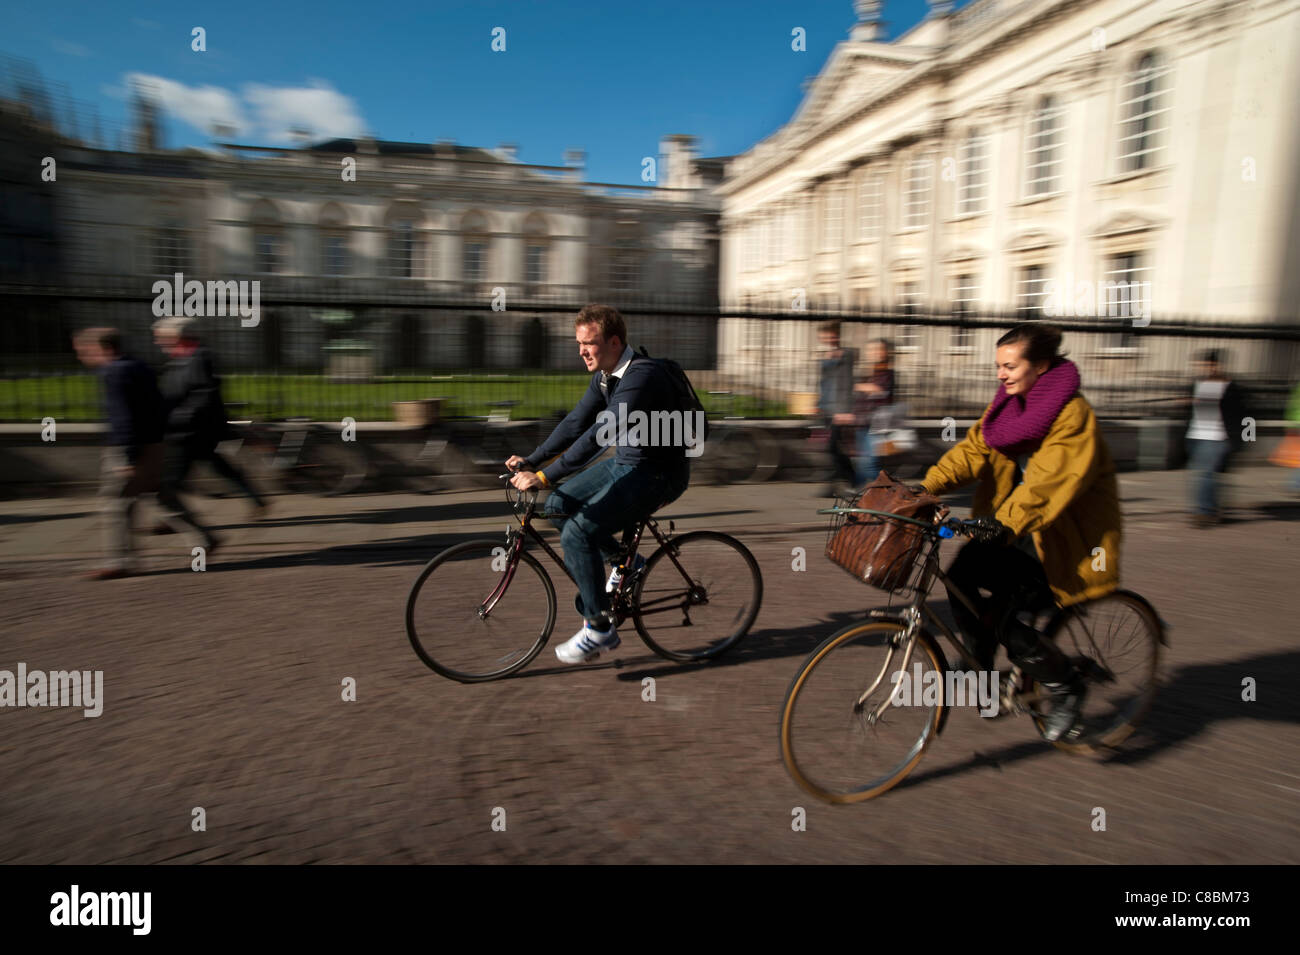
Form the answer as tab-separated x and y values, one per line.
1067	701
162	527
107	573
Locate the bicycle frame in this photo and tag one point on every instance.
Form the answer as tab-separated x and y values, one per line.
516	540
915	615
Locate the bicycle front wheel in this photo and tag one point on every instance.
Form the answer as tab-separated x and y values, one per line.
850	728
697	597
474	615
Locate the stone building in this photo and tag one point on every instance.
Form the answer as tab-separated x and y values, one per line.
1117	161
419	255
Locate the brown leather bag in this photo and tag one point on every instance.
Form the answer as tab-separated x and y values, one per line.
877	550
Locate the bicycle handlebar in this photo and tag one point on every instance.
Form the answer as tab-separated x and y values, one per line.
950	528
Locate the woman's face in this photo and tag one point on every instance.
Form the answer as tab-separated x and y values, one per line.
1016	374
875	353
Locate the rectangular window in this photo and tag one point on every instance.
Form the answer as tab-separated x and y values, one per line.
624	274
170	251
535	265
916	210
1031	291
402	261
870	202
335	255
473	264
266	253
965	293
1043	160
1125	295
833	218
972	175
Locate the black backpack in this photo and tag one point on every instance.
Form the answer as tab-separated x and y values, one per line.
686	399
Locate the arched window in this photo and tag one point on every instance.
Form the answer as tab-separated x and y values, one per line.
1143	114
1043	150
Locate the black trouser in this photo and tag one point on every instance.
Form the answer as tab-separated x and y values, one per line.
179	464
841	464
1016	583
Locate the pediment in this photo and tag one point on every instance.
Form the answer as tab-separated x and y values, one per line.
1123	223
1032	239
964	253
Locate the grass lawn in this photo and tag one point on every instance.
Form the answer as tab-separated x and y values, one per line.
75	397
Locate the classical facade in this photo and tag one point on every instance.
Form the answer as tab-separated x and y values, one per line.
355	240
1117	160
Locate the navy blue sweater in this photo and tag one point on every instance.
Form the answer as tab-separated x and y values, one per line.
133	404
644	387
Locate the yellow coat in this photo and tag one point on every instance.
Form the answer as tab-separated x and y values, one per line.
1068	500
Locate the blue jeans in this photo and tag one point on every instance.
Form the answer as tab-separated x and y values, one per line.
1206	459
589	508
867	464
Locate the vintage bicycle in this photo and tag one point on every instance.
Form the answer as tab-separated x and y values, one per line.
483	609
844	736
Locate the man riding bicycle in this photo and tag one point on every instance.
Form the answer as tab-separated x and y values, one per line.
615	494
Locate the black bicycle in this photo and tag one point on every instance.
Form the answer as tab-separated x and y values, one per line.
484	609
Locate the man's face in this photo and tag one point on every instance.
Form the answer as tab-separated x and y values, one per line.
598	352
91	354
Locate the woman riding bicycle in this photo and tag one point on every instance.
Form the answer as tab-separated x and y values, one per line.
1048	491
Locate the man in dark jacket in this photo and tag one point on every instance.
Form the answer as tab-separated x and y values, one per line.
196	415
835	404
644	474
131	463
1214	435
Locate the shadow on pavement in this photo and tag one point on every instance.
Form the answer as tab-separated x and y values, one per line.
1190	701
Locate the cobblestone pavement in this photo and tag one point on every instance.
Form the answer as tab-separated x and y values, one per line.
223	691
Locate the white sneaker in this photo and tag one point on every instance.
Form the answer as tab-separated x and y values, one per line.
587	644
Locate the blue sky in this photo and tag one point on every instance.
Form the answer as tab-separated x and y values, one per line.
607	77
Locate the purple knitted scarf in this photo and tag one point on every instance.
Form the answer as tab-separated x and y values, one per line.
1017	425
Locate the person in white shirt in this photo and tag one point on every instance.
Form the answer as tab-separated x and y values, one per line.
1213	436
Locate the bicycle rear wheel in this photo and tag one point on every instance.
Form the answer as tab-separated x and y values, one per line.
1114	641
697	597
473	616
843	739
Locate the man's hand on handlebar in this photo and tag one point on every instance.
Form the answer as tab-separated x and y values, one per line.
515	462
525	480
989	530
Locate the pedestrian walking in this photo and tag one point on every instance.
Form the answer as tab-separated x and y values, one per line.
1214	435
196	415
132	458
873	405
835	404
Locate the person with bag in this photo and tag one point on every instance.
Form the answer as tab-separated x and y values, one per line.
1050	499
873	404
618	492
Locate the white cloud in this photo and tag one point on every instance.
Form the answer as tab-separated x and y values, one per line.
319	108
199	106
276	110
